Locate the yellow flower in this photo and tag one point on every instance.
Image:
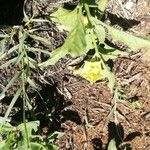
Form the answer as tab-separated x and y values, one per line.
91	71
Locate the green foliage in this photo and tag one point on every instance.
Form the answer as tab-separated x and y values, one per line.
135	104
87	32
118	96
75	44
14	138
102	5
127	39
112	145
21	137
67	18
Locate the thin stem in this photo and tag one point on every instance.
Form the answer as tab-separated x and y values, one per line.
23	77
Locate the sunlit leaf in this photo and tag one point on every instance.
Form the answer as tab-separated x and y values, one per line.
75	45
112	145
112	53
135	105
66	17
110	76
100	32
89	36
13	101
5	128
4	36
55	56
102	5
127	39
32	125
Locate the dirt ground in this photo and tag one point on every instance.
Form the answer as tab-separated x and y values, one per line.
80	109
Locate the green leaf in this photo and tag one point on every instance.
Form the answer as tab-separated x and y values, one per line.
88	37
5	128
112	145
32	49
41	39
100	33
53	147
31	126
28	102
6	144
2	95
131	41
2	145
31	62
14	48
20	57
11	105
55	56
2	46
102	5
55	135
37	146
111	53
8	63
4	36
110	76
32	83
135	105
66	17
75	45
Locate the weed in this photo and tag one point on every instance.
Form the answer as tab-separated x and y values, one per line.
26	66
86	32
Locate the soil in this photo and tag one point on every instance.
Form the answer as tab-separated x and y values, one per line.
72	105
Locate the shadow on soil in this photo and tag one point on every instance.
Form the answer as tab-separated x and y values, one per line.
120	21
48	107
116	131
97	144
11	12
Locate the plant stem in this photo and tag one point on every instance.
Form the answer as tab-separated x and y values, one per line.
23	77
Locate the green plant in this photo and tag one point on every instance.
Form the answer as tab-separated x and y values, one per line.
25	66
118	96
14	138
86	37
112	145
88	33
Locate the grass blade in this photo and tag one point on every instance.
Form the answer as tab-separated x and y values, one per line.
11	105
46	41
38	50
31	82
8	63
14	48
16	76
